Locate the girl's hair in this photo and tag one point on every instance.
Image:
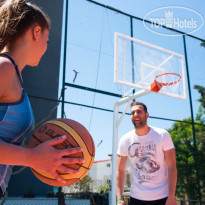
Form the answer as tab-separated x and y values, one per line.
16	16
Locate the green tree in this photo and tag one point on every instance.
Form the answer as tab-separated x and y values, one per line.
201	90
183	140
84	185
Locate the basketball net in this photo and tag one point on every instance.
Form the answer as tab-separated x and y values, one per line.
156	86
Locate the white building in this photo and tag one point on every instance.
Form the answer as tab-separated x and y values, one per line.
101	173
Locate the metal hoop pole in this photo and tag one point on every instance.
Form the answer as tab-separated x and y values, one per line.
116	124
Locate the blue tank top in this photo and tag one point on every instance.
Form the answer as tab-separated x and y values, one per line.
16	120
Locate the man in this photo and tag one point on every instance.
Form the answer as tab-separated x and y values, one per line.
152	157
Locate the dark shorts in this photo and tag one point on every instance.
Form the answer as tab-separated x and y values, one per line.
134	201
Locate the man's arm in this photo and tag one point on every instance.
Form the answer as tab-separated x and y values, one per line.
170	159
120	176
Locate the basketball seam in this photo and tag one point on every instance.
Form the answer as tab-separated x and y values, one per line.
64	130
51	123
34	171
80	135
37	138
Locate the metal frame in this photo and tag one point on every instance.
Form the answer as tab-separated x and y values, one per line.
128	99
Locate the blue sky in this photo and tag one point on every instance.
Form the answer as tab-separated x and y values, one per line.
140	8
90	51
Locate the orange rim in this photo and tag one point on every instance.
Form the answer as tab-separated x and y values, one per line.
166	84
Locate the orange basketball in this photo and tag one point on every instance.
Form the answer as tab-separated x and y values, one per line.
77	136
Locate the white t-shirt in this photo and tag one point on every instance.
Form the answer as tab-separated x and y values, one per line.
149	169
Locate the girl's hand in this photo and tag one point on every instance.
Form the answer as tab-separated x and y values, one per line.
46	158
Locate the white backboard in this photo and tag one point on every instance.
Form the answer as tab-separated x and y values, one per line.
137	63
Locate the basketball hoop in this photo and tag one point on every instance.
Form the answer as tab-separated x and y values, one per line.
156	85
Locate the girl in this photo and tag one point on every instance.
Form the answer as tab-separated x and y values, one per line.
24	34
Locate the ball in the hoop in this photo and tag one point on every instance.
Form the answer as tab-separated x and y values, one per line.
77	136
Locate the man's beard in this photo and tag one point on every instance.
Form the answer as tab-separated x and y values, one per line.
140	124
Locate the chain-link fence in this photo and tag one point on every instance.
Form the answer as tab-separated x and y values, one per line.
90	95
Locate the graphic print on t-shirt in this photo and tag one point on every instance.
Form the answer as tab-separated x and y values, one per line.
144	156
